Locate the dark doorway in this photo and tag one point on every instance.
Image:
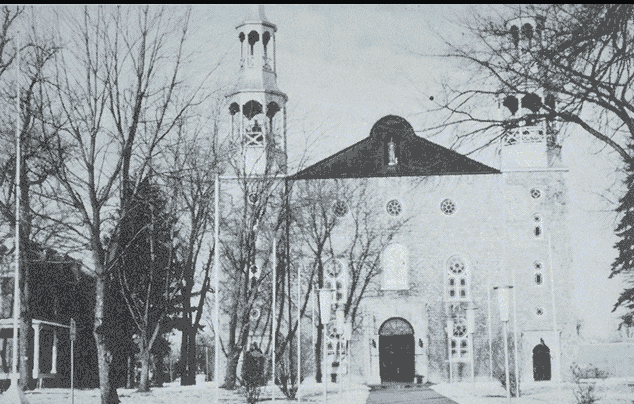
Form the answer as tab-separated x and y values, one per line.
396	351
541	362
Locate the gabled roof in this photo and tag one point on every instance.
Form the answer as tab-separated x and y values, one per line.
393	150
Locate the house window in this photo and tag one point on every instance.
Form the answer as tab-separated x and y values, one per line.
457	279
395	266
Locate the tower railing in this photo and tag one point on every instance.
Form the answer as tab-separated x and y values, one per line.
525	134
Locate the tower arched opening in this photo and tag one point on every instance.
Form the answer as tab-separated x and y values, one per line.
253	38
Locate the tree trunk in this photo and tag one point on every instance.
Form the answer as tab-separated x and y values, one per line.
318	354
159	370
144	356
231	370
104	356
188	356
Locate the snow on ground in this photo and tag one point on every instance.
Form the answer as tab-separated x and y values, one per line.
609	391
202	392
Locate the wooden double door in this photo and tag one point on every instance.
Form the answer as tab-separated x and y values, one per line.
396	352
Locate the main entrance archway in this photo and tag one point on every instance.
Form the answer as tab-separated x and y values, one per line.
396	351
541	362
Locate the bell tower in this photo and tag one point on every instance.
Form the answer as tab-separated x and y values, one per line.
257	106
530	138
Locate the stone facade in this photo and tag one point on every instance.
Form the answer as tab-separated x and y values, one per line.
493	229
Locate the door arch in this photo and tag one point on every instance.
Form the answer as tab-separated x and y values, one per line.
541	362
396	351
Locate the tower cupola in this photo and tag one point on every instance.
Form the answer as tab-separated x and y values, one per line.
257	106
530	132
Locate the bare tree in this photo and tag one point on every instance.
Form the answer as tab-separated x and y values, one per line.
120	91
191	175
579	55
254	219
36	52
337	220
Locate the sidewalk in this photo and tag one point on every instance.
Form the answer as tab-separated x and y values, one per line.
406	394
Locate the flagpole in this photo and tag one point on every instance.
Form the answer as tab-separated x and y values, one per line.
273	325
217	284
18	200
14	394
299	334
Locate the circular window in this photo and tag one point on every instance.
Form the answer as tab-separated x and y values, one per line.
340	208
448	207
537	218
394	208
460	327
334	267
536	193
537	265
456	265
539	311
253	198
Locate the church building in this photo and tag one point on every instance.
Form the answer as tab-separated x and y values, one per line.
466	231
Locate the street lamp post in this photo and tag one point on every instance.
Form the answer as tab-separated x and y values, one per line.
471	325
325	302
504	300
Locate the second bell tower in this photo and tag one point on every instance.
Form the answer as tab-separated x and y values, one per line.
257	106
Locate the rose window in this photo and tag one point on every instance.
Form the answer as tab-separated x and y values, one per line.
394	208
448	207
340	208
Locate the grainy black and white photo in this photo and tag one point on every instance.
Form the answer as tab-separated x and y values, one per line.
356	204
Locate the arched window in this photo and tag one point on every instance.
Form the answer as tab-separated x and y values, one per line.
266	37
457	279
511	103
532	101
539	276
527	32
241	37
251	109
395	265
271	109
515	35
253	38
459	339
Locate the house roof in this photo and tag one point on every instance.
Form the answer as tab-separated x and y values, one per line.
393	150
